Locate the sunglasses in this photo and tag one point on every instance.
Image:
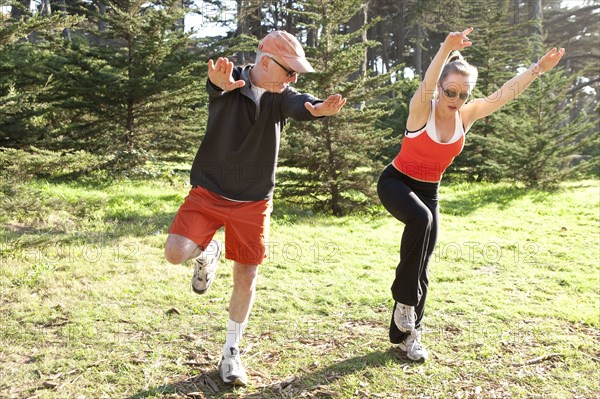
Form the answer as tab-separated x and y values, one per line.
288	72
452	94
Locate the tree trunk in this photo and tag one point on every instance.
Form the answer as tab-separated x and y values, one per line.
334	190
363	67
535	15
336	208
180	24
357	22
419	51
102	26
45	8
249	19
130	118
399	33
289	22
311	37
365	21
61	6
241	27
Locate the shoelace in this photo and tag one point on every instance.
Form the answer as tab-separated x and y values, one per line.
417	345
201	262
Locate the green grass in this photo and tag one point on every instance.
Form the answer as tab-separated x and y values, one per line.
85	294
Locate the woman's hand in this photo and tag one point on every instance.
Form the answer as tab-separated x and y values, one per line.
458	40
548	61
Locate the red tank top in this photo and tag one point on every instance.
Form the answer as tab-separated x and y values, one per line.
423	157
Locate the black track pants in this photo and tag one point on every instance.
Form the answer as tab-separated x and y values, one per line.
415	204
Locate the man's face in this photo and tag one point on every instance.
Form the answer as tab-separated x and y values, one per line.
280	75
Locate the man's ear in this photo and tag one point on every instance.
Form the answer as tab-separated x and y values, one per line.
264	62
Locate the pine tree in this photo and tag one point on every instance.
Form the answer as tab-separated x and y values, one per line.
22	23
543	144
532	138
22	82
577	29
130	90
333	162
508	36
498	52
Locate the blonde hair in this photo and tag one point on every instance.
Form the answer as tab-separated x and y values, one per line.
457	64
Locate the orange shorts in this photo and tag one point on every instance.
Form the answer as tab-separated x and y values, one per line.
246	224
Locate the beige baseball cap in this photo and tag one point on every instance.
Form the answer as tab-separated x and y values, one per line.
286	46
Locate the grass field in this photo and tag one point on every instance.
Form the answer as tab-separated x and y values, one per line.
90	309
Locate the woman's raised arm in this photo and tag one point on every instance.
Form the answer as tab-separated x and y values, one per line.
482	107
420	103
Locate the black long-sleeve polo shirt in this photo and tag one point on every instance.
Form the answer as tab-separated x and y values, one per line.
238	155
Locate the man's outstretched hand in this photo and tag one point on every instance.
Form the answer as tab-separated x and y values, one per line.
331	106
220	75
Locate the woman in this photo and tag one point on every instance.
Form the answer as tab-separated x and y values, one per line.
408	187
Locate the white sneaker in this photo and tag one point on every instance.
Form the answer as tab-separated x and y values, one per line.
231	369
415	350
205	267
405	317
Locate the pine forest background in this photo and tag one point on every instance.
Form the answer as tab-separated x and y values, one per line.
103	89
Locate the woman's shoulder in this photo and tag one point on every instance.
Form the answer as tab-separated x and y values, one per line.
417	119
466	114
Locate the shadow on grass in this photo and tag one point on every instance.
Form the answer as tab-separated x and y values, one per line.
84	212
110	230
503	195
289	213
98	219
315	382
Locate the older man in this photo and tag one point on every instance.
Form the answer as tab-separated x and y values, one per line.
233	175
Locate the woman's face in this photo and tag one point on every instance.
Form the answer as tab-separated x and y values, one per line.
454	91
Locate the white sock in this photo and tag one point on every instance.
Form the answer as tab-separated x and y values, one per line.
234	335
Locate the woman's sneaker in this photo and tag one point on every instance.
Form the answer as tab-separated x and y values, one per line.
404	317
415	350
205	267
231	369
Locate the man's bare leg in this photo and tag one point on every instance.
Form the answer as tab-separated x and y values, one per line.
178	249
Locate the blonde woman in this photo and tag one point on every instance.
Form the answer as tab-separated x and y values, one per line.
408	187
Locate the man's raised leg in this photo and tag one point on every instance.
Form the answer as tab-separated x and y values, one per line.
178	249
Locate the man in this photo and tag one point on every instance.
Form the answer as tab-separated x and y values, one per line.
233	175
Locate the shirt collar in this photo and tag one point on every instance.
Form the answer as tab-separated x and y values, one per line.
245	76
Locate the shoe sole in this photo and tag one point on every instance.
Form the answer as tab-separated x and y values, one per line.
237	381
198	291
201	292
